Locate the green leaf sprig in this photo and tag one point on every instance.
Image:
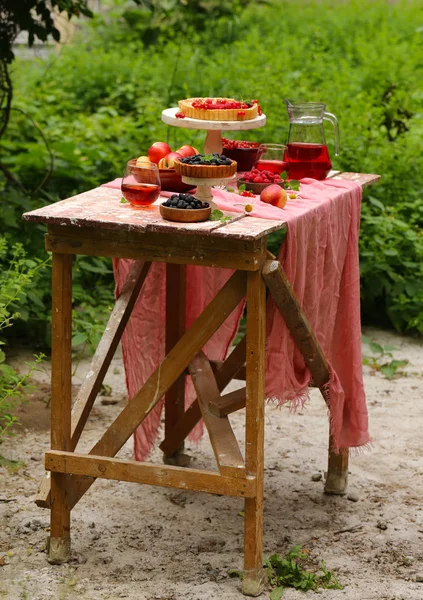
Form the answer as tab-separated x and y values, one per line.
292	185
217	215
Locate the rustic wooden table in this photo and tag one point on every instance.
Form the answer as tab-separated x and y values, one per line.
95	223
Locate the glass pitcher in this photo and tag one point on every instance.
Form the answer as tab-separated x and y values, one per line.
306	151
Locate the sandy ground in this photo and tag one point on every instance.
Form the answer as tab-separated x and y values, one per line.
145	543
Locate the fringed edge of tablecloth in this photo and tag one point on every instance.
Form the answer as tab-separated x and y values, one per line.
298	399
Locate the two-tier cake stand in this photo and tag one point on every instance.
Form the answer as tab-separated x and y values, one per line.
212	144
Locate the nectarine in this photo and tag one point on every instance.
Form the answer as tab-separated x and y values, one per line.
143	160
168	162
187	151
157	151
274	195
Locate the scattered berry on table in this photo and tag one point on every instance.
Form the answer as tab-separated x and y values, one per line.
185	201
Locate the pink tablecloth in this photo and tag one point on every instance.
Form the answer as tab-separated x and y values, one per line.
320	258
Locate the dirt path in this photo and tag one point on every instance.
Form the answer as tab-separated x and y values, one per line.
145	543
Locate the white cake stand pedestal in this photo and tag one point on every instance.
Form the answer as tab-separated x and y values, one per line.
214	129
204	187
212	144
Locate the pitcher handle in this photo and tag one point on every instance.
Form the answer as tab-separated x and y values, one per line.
332	119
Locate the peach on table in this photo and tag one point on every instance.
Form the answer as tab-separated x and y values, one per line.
274	195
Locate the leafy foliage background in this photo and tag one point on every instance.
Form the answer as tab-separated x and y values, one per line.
98	102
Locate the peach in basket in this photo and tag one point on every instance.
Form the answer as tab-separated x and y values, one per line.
172	182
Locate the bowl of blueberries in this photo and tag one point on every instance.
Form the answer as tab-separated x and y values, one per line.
185	208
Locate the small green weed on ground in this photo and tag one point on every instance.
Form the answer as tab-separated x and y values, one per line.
291	572
11	465
382	359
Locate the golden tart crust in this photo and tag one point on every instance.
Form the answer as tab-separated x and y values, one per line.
230	114
206	171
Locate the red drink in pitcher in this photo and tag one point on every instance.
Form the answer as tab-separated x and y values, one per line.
140	194
307	160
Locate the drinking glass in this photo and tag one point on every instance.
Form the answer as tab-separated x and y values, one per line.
141	183
271	157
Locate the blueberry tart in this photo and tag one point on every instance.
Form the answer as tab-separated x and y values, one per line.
206	166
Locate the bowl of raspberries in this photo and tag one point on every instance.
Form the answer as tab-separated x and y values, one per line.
255	180
185	208
243	152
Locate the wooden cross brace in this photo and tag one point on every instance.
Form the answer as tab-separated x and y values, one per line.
233	368
72	474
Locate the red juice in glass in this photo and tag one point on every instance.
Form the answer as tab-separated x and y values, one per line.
275	166
140	194
307	160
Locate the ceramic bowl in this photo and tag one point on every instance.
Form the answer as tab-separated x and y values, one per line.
256	188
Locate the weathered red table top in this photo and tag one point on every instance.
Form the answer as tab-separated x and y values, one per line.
102	208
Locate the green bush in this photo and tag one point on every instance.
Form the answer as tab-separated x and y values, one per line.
99	102
17	274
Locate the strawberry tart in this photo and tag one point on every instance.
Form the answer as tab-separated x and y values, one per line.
219	109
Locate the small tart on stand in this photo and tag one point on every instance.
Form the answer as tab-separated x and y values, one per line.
206	166
219	109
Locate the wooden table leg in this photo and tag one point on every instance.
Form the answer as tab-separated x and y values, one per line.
61	403
175	329
308	345
337	475
100	363
254	574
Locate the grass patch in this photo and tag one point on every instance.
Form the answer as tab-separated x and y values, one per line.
11	465
291	572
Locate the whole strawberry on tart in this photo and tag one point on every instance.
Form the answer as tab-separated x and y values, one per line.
206	166
219	109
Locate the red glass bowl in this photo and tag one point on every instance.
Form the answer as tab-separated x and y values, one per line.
245	157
